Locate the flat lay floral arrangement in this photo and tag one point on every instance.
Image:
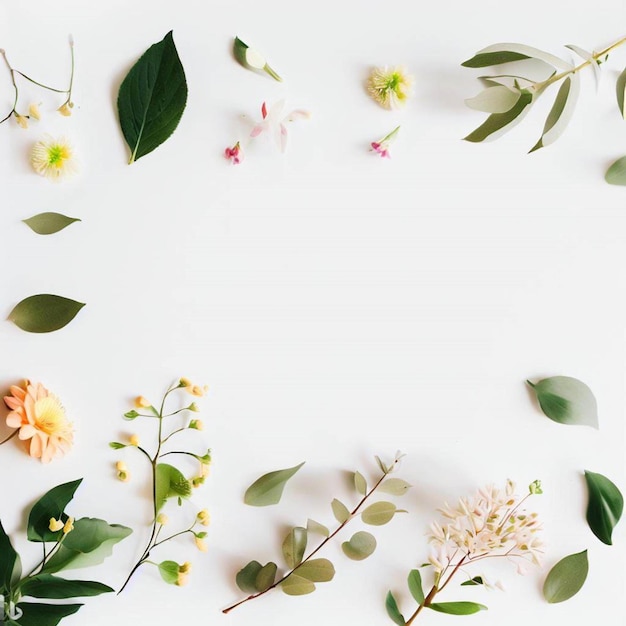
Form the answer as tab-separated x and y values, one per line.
496	523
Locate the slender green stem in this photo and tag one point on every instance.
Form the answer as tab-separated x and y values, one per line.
32	80
12	72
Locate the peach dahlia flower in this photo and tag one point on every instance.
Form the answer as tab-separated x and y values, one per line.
41	420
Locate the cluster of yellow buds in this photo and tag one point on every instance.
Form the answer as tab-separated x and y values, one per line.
122	471
56	525
204	517
194	390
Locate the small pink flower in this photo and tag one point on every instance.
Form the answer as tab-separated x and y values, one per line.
234	154
382	147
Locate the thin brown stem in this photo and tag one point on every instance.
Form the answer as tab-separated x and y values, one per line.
17	430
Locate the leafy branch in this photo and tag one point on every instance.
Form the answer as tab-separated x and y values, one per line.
303	572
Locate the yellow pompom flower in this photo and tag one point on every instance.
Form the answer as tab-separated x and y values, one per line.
389	86
53	158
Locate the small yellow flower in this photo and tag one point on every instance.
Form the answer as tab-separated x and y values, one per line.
184	382
66	109
193	407
389	86
204	517
197	391
33	111
134	440
69	526
185	568
21	120
196	424
53	158
55	525
205	469
182	579
120	466
162	519
124	476
141	402
197	481
201	545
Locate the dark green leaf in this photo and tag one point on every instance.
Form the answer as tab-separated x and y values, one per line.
51	504
90	542
621	91
316	570
605	506
49	223
567	400
360	484
54	587
8	560
169	571
295	585
294	546
340	511
246	577
44	313
152	98
315	527
395	487
488	59
415	586
361	545
616	174
36	614
170	483
268	489
457	608
477	580
393	611
500	121
379	513
566	578
266	576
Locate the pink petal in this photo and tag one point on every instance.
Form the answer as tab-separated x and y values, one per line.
258	129
264	110
14	420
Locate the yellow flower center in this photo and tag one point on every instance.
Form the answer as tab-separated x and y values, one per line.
50	416
57	154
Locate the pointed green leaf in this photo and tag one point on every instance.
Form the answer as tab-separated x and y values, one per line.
487	59
57	588
360	484
44	313
7	561
49	223
497	99
170	483
51	504
566	578
269	488
294	546
152	98
567	400
605	506
477	580
457	608
36	614
266	577
316	570
295	585
361	545
415	586
340	511
395	486
246	577
315	527
501	122
379	513
616	174
621	92
561	112
393	611
90	542
507	52
169	571
384	468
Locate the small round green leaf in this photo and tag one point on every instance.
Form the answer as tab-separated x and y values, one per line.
49	223
566	400
395	486
295	585
379	513
169	571
315	527
246	577
616	174
566	578
268	489
316	570
605	506
360	484
393	611
360	546
44	313
294	546
340	511
266	577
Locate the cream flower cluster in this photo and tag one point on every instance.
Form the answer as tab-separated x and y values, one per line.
489	524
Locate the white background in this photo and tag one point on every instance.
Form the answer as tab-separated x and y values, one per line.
338	305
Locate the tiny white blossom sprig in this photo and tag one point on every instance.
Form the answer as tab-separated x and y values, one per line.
391	87
382	146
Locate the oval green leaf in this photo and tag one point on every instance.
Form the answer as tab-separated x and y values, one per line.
49	223
294	546
317	570
360	546
295	585
457	608
415	586
497	99
566	578
44	313
37	614
616	174
57	588
169	571
315	527
393	611
360	484
567	400
51	504
379	513
268	489
340	511
395	487
266	577
605	506
498	123
621	92
152	98
246	577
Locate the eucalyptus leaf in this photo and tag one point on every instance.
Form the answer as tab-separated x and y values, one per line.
152	98
487	59
57	588
616	174
169	571
315	527
246	577
567	400
7	562
501	122
44	313
394	486
360	484
49	223
457	608
593	62
266	577
621	92
90	542
51	504
170	483
508	50
566	578
295	585
294	546
251	59
605	506
497	99
268	489
316	570
37	614
393	611
340	511
379	513
415	586
561	112
361	545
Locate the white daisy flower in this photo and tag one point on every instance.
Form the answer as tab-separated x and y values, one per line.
53	158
